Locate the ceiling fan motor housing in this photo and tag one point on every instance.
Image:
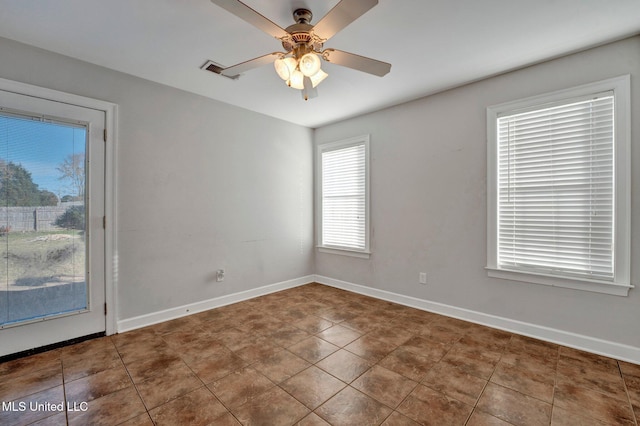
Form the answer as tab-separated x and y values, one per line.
301	33
302	16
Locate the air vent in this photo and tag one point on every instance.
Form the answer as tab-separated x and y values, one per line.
216	68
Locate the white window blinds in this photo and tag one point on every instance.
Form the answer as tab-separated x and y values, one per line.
343	197
556	189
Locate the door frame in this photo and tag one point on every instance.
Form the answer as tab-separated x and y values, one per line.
110	182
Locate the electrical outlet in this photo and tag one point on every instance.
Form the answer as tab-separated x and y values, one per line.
220	275
422	278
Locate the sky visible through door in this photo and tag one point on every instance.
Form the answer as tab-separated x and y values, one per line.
42	218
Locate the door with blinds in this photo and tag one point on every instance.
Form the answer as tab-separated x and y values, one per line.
52	286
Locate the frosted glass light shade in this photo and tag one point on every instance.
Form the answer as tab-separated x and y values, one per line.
318	77
285	67
309	64
297	80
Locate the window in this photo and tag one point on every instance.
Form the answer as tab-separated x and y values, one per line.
558	188
343	197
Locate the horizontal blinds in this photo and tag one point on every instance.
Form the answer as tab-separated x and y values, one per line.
344	197
556	189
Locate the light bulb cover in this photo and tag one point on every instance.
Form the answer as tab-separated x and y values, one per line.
309	64
297	80
285	67
318	77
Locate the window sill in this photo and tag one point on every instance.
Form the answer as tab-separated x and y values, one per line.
345	252
595	286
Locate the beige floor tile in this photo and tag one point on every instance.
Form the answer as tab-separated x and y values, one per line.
113	408
199	407
287	335
216	367
392	335
397	419
427	348
339	335
562	417
23	383
162	388
313	349
312	386
153	365
429	407
384	386
369	348
312	324
29	364
77	366
528	382
454	383
593	404
478	418
240	387
97	385
477	362
514	407
281	366
344	365
317	355
407	363
351	407
39	406
275	407
312	420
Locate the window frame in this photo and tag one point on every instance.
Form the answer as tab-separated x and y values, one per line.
332	146
620	86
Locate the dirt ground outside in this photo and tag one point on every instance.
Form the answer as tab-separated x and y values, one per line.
37	271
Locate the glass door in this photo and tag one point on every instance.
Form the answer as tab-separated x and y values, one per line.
51	235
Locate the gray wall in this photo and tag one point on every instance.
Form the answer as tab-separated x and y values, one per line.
249	180
428	201
246	178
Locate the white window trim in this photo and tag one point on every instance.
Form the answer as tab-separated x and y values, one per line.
622	167
366	253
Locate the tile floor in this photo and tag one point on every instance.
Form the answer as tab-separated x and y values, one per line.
315	355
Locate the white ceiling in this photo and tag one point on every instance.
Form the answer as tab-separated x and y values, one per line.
432	45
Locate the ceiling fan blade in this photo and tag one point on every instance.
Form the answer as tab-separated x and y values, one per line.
246	13
343	13
234	71
356	62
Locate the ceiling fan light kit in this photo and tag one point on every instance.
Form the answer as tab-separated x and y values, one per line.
301	69
300	66
285	66
309	64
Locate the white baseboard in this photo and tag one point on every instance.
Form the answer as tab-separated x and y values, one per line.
573	340
217	302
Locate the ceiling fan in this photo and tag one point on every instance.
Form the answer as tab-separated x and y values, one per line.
300	64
